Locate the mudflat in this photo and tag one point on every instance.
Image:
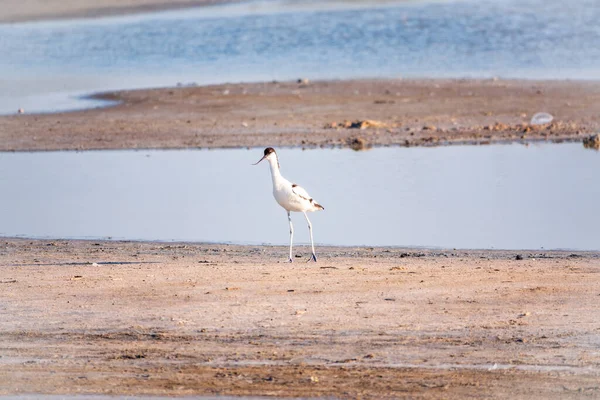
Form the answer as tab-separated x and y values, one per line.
194	319
354	113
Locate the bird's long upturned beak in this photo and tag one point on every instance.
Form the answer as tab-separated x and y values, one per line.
260	160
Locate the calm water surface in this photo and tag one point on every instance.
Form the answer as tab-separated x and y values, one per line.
47	66
501	196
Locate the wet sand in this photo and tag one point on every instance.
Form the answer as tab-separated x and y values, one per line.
190	319
354	113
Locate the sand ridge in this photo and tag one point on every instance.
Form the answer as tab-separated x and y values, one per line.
353	113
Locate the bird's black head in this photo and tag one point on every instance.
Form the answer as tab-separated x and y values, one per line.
268	151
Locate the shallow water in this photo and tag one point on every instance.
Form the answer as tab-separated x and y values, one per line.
501	196
47	66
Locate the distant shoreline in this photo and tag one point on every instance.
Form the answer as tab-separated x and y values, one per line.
33	10
14	11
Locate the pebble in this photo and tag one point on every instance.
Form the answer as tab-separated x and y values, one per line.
358	143
592	142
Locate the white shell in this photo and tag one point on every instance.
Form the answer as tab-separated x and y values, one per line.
541	118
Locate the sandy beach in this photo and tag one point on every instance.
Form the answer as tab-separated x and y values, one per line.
353	113
182	319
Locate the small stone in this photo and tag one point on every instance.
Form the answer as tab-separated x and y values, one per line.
525	314
367	123
592	142
357	143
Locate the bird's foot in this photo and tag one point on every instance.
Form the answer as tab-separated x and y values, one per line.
313	257
290	260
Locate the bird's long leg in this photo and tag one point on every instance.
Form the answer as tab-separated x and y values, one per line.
312	245
291	235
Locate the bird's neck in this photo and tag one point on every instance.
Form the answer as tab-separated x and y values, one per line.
275	173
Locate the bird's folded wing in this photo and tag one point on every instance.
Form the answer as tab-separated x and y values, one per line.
298	191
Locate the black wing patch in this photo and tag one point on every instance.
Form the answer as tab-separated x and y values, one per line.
305	198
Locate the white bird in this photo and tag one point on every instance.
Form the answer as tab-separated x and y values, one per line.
291	197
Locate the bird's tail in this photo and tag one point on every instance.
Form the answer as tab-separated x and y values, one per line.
318	206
